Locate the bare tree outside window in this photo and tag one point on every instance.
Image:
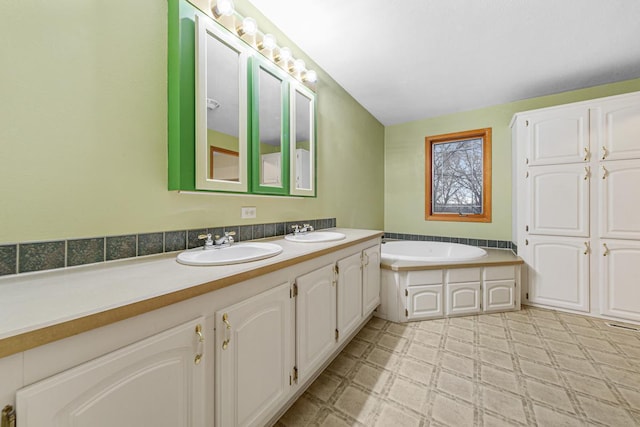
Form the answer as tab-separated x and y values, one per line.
458	186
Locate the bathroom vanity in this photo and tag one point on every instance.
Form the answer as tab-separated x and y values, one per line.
154	342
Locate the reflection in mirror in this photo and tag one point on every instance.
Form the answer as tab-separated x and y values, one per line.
220	111
270	129
303	141
223	164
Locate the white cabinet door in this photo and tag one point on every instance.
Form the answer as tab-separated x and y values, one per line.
621	129
463	298
620	199
559	272
424	302
620	272
349	294
558	136
559	200
254	358
155	382
371	280
499	295
315	319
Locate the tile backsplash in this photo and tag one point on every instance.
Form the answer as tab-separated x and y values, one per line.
38	256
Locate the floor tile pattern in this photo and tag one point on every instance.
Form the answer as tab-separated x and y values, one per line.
533	367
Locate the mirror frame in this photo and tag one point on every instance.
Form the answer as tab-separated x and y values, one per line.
206	28
294	88
258	64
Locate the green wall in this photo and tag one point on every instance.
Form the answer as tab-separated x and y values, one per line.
404	163
83	138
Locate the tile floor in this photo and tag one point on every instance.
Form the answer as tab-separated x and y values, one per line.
529	368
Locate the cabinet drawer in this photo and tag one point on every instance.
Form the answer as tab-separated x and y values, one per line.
507	272
460	275
424	277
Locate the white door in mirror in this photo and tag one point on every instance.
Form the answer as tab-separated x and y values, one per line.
236	254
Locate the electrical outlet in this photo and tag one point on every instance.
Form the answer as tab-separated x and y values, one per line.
248	212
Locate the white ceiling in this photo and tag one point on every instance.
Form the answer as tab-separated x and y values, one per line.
412	59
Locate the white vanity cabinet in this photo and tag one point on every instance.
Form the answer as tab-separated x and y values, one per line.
370	279
620	199
254	357
159	381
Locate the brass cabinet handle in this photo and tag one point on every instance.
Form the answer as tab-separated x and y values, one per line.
587	172
605	153
586	154
606	250
587	248
199	355
605	173
363	259
225	343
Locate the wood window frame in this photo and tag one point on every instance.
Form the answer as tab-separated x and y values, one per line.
429	141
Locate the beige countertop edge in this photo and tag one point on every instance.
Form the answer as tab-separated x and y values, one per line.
37	337
495	258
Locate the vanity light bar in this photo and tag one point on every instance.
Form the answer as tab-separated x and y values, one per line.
249	27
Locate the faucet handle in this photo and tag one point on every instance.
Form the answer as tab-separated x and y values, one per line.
204	236
229	233
308	227
296	228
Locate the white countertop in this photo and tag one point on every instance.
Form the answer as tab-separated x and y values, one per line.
33	301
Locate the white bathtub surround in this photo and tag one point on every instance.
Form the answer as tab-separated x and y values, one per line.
415	288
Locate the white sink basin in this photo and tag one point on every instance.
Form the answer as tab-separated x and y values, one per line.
315	237
235	254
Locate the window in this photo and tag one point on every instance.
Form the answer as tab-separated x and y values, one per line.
458	176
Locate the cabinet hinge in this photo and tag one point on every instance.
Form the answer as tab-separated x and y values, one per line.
290	380
406	292
406	312
337	334
294	291
526	122
336	269
8	417
526	228
526	295
295	374
526	161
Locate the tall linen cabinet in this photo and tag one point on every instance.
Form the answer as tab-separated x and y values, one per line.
576	199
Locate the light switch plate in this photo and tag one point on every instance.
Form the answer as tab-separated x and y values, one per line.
248	212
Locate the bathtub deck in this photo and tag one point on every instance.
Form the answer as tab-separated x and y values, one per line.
494	258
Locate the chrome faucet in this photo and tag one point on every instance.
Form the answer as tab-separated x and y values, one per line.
208	243
224	241
301	230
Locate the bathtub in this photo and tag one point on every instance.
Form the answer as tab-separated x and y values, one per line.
439	252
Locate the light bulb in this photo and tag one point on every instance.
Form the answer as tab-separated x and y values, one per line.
310	76
249	27
223	8
268	42
298	65
284	55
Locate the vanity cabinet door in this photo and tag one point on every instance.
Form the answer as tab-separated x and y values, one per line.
254	357
349	294
370	279
499	295
315	319
463	298
424	302
159	381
